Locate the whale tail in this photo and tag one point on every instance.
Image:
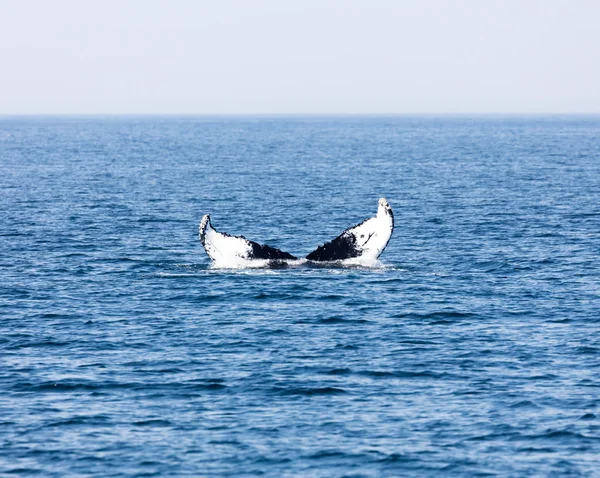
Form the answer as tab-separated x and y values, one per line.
366	240
226	249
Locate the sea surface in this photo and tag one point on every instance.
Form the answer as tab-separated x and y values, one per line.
473	349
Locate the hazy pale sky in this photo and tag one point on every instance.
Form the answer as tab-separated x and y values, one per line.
299	56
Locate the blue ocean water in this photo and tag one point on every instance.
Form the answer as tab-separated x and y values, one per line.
474	350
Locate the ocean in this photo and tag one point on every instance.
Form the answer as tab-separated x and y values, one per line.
471	349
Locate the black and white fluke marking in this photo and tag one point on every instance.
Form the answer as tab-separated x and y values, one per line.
232	251
361	244
365	241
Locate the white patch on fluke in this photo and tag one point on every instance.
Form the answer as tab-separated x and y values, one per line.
373	235
223	249
361	244
237	251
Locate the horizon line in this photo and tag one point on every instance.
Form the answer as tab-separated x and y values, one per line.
305	115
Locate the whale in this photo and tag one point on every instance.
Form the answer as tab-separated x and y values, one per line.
225	249
361	243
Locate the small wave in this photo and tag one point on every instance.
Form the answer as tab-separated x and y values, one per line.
83	386
23	471
330	298
347	346
66	386
562	435
15	293
26	344
332	321
268	332
443	317
92	365
200	299
172	275
588	416
273	295
402	374
561	321
383	374
149	219
208	386
80	420
155	422
397	458
547	376
524	404
339	371
339	320
537	449
323	454
309	392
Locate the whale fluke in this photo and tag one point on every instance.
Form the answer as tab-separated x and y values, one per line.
366	240
225	248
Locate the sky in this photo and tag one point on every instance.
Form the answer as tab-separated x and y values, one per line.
299	56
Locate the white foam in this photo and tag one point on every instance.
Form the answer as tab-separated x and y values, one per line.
240	263
367	262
